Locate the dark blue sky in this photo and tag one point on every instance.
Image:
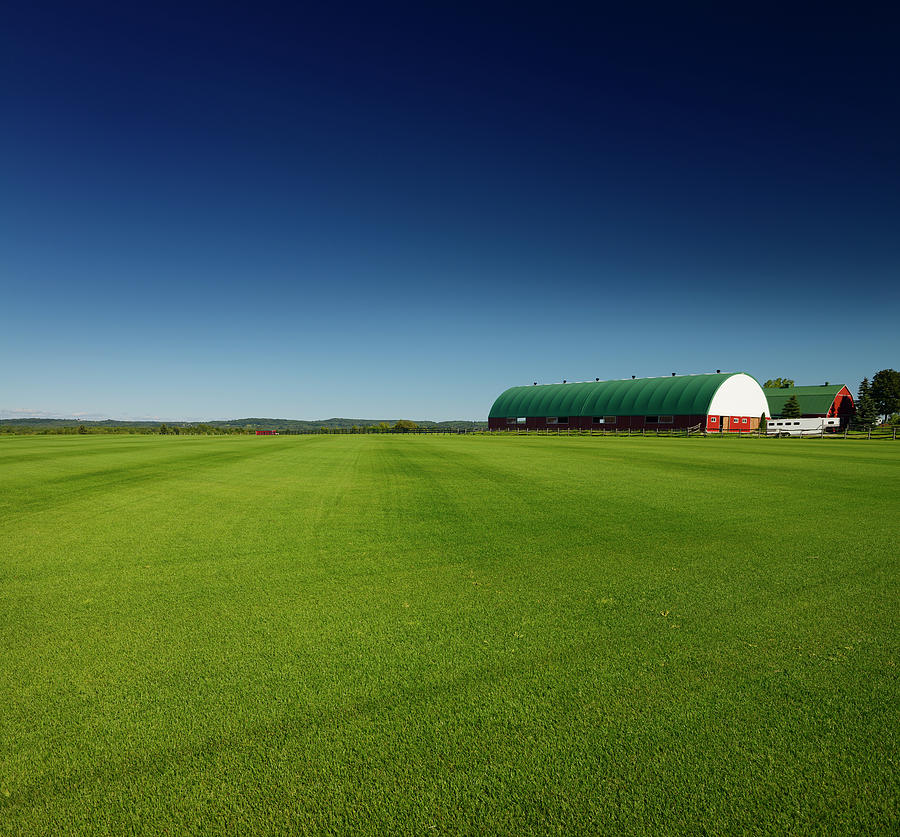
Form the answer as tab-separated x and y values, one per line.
221	211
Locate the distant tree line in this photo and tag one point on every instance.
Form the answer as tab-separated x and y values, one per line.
123	429
74	429
67	427
201	429
401	426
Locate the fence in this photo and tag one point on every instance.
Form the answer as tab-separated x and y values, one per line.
697	431
372	431
889	433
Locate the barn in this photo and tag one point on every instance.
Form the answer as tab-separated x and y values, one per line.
828	401
731	402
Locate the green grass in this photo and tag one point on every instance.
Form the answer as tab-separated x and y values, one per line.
427	635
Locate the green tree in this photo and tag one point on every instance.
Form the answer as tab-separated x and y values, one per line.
406	424
779	383
163	429
885	392
762	424
82	428
866	413
791	408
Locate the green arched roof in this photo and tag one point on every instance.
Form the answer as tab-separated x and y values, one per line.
678	396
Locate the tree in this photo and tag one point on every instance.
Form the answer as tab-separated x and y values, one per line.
791	408
82	428
163	429
779	383
762	424
406	424
866	413
885	392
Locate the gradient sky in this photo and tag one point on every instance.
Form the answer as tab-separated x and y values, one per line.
392	210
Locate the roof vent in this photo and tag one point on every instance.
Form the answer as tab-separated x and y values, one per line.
534	384
718	371
632	377
564	381
596	379
673	374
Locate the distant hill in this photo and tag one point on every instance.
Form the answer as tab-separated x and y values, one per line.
244	423
72	422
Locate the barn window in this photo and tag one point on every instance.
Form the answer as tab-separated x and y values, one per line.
666	419
609	419
652	419
712	419
551	419
597	419
743	421
563	419
511	420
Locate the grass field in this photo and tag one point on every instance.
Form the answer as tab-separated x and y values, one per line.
431	635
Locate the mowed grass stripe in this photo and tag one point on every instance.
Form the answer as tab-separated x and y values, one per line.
371	634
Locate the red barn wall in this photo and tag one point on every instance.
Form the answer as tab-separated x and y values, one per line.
842	406
736	423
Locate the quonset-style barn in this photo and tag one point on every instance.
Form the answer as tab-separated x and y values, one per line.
829	401
730	402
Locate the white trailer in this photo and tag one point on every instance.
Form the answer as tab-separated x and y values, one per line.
801	426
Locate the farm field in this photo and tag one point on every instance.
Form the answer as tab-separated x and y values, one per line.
445	635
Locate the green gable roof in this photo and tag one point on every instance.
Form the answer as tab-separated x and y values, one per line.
814	400
678	396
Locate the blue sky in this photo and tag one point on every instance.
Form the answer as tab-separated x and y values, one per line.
210	212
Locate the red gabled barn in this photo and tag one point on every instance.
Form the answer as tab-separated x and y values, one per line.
828	401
